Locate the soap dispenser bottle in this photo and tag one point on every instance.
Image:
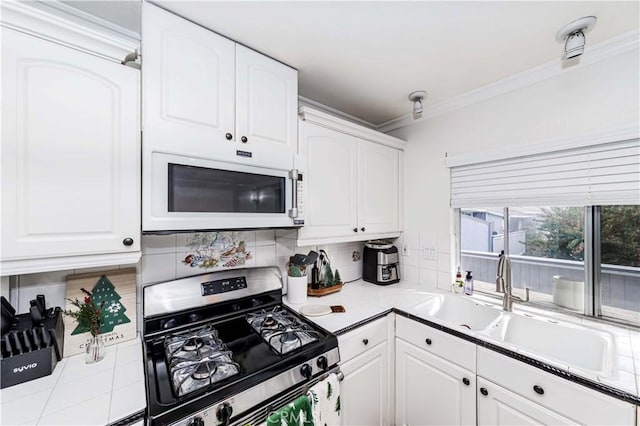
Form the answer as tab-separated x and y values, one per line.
468	284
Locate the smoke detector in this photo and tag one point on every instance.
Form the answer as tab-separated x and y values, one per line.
573	36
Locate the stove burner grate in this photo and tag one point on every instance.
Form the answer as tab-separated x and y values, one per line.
282	330
197	358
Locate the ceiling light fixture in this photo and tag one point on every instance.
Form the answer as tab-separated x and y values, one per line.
572	35
417	97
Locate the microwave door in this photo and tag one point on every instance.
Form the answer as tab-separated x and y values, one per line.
203	190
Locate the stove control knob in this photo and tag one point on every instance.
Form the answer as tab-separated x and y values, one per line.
196	421
305	370
322	363
224	413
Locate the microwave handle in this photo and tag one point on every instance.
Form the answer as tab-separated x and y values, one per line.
294	176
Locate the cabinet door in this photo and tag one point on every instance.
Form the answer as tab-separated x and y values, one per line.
378	191
330	182
188	76
502	407
70	151
431	390
364	395
266	103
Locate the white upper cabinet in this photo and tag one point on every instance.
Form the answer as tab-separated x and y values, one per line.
378	188
201	90
70	158
188	74
266	102
352	181
330	182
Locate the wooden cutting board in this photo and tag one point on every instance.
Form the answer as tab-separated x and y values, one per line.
118	289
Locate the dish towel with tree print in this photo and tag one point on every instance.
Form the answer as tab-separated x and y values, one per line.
296	413
325	401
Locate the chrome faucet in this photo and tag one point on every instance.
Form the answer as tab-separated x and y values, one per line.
504	285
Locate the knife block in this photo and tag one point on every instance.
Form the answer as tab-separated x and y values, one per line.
36	362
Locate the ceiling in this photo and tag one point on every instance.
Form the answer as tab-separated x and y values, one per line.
365	57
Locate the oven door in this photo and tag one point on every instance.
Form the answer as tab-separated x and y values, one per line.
190	193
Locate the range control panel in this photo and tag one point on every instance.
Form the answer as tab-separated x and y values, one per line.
223	286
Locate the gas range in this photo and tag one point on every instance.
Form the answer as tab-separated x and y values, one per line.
220	348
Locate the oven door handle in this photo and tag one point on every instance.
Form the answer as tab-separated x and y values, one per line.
258	415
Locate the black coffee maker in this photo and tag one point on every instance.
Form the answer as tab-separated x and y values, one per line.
380	263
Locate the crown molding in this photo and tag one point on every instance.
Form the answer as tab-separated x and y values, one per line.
302	101
322	118
63	24
624	43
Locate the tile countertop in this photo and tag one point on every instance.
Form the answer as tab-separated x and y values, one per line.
363	301
81	394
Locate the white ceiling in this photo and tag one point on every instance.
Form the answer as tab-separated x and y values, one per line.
365	57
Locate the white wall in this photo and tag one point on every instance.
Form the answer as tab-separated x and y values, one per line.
581	99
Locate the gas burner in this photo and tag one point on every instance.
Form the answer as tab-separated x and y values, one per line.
192	344
197	358
281	330
287	336
269	322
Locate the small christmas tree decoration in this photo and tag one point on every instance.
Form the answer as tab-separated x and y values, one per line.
328	278
114	312
337	279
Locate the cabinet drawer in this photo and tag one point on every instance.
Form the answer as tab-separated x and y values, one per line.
437	342
582	405
362	338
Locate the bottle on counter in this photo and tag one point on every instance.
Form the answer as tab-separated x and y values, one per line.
458	284
315	276
468	284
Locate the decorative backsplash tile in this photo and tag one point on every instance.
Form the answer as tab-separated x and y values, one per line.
210	251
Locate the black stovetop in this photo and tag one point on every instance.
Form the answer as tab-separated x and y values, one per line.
257	360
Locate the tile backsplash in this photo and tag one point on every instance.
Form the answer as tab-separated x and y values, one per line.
426	259
167	257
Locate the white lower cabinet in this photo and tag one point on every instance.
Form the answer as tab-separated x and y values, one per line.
436	385
498	406
522	391
365	388
431	390
366	358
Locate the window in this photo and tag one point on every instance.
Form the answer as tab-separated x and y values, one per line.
548	247
568	218
620	262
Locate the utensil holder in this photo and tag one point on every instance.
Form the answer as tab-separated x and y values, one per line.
297	290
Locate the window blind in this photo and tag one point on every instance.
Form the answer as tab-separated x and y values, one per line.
604	174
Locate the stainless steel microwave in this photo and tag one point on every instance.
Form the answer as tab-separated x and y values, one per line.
236	190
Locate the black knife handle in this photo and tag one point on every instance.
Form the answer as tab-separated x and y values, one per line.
26	341
9	345
3	347
37	344
46	339
8	307
42	304
54	343
36	317
17	347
